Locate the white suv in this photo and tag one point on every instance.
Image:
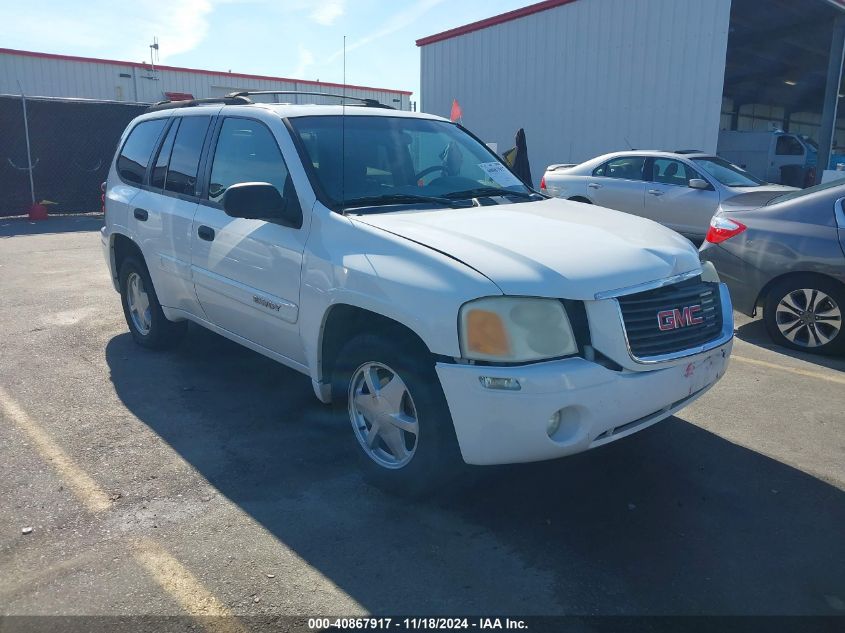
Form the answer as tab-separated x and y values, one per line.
450	312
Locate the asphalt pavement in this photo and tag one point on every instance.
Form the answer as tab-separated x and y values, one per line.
208	480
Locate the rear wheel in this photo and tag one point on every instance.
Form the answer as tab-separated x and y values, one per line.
389	392
147	323
805	313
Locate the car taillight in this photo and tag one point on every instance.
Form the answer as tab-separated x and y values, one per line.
722	229
543	183
103	198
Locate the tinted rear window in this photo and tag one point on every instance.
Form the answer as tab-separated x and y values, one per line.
135	155
185	157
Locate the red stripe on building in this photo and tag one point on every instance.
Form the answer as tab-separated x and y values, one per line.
114	62
496	19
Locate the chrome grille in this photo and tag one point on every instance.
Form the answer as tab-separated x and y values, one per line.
643	312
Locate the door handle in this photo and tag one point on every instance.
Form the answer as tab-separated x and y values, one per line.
594	185
655	192
205	233
141	214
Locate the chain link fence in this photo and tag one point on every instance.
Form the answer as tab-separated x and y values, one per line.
71	144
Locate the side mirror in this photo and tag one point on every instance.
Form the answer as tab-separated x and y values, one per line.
698	183
260	201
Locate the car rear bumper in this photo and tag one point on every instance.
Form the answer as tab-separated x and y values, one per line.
743	280
105	242
597	405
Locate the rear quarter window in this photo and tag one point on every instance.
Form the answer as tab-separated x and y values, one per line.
135	155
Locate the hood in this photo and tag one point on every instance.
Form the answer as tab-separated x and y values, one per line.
754	199
553	248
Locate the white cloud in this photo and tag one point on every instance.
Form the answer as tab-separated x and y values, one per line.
98	29
306	59
397	21
328	11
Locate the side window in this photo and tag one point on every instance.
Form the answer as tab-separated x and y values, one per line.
160	167
788	146
135	155
247	152
185	157
671	172
625	167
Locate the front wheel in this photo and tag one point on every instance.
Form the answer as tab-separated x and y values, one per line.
390	393
805	313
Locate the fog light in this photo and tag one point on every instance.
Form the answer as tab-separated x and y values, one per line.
554	424
504	384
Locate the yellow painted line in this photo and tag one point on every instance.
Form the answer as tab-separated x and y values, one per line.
792	370
185	588
81	484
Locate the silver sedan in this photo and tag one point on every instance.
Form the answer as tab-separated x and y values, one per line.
680	190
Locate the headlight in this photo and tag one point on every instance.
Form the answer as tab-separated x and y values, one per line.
515	329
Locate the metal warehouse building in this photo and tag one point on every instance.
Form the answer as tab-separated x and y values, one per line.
46	75
585	77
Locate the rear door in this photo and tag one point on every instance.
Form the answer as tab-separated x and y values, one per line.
247	272
164	210
840	222
671	201
618	184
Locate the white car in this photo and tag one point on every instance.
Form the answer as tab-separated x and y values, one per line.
450	313
681	190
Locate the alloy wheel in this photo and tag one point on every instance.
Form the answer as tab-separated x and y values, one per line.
808	317
139	303
383	415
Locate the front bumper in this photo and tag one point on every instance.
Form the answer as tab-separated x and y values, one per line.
597	405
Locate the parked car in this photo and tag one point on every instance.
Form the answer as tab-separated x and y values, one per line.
680	190
786	254
776	156
448	311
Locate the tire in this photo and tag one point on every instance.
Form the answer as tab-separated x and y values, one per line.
805	312
147	323
424	462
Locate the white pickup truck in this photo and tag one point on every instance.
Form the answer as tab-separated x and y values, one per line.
451	313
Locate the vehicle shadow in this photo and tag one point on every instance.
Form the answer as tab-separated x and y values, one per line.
672	520
754	332
10	227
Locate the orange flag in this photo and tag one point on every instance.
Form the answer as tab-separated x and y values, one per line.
457	113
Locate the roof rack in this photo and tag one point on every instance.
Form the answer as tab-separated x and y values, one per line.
689	151
188	103
369	103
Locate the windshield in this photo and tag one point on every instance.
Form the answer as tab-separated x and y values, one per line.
398	160
726	173
806	192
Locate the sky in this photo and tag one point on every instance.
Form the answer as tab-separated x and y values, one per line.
289	38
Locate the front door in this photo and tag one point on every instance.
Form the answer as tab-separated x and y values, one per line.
247	272
671	201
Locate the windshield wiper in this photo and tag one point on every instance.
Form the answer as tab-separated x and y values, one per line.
484	192
403	198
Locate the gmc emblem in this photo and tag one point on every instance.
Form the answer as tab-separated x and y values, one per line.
677	318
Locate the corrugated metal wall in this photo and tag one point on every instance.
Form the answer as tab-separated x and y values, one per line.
50	77
587	78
